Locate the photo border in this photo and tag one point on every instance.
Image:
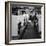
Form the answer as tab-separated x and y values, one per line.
5	23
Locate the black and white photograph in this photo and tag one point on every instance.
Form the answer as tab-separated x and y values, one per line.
26	22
